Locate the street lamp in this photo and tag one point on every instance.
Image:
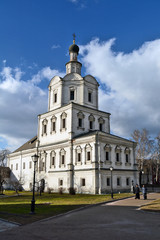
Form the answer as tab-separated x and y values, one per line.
34	159
111	169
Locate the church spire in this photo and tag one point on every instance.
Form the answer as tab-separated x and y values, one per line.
73	66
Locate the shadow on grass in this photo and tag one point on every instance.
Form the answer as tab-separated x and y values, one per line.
17	209
21	213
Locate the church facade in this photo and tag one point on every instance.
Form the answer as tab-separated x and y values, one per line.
74	143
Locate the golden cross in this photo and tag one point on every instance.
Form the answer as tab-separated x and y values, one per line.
74	36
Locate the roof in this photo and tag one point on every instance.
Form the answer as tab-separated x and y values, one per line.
76	104
90	133
28	145
74	48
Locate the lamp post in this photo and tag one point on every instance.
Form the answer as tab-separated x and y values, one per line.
111	169
34	159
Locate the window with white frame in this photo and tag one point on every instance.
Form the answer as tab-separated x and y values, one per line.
91	119
11	166
53	124
107	152
127	155
53	159
63	121
80	122
88	153
117	157
55	96
107	156
90	97
44	127
72	94
80	117
79	157
118	154
78	152
101	122
62	158
88	156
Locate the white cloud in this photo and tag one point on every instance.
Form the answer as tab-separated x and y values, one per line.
132	84
130	92
45	73
55	46
20	103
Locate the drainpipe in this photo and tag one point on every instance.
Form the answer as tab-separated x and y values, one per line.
99	163
72	167
21	167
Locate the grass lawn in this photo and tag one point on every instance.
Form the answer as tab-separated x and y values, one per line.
153	206
17	208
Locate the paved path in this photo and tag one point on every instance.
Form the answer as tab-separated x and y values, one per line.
113	221
5	225
136	202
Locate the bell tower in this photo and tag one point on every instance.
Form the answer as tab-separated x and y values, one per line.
73	66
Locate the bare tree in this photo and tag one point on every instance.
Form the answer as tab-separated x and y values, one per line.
4	171
3	156
144	149
4	175
156	159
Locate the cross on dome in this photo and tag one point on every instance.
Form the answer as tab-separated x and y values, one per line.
74	36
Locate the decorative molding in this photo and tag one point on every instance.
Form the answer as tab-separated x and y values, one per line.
118	163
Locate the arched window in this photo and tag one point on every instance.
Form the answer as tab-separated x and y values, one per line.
88	153
118	155
107	153
91	119
90	95
78	152
53	124
80	117
44	127
72	93
53	159
127	156
101	122
62	160
42	161
63	121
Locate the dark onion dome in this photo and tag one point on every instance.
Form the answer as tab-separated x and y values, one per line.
74	48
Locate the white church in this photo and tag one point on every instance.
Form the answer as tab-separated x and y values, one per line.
74	143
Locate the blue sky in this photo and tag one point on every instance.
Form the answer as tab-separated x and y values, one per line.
119	42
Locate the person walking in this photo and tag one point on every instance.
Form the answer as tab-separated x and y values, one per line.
144	192
137	192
